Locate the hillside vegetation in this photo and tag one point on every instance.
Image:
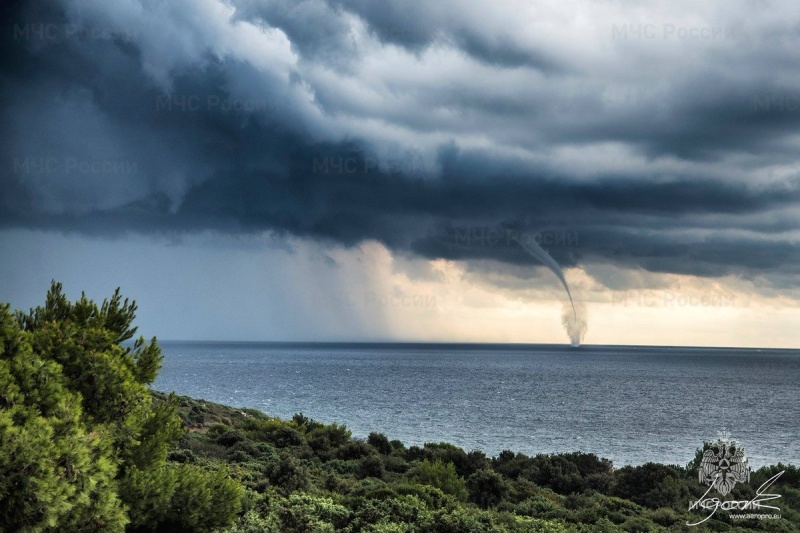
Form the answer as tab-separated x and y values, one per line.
86	445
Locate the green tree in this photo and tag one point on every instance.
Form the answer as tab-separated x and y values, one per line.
486	488
55	473
651	484
441	475
82	437
380	442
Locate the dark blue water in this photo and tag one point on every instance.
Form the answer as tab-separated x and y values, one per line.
628	404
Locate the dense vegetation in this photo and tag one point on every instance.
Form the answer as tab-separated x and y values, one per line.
85	445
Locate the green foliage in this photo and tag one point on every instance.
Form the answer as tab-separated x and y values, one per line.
343	484
652	485
487	488
255	522
304	513
441	475
288	474
206	499
465	463
380	443
371	466
83	442
55	472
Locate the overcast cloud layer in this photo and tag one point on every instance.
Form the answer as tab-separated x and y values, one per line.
658	135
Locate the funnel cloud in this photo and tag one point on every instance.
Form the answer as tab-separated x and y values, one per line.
574	324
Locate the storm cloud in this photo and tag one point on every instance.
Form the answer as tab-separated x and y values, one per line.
660	138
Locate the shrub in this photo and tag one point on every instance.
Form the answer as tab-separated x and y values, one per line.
380	443
664	517
393	463
230	437
556	472
254	522
441	475
652	485
371	466
354	450
304	423
638	524
284	437
326	438
288	475
372	489
307	513
448	453
486	488
182	456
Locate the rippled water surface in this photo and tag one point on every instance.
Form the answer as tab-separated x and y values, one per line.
629	404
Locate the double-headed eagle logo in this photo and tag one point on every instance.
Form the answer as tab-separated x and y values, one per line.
723	466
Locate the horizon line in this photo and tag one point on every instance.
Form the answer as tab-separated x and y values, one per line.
476	344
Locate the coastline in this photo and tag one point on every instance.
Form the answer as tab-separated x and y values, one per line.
301	462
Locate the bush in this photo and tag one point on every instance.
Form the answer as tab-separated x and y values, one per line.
325	438
284	437
253	522
461	520
448	453
306	513
288	475
664	517
230	437
652	485
182	456
441	475
557	472
380	443
372	489
393	463
371	466
354	450
638	525
486	488
398	509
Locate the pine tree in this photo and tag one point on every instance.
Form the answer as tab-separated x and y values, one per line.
83	444
54	472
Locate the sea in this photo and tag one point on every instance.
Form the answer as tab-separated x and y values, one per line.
629	404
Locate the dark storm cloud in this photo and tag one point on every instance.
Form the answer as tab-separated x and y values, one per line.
414	25
312	25
695	122
96	142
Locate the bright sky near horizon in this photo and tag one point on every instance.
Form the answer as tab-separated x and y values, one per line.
262	289
356	170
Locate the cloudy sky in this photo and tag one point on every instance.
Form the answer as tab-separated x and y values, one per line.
362	170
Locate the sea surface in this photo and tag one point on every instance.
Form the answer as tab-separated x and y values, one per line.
628	404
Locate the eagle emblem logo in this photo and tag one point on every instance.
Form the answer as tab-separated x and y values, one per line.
723	466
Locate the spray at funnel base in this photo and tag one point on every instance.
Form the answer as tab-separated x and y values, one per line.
575	322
